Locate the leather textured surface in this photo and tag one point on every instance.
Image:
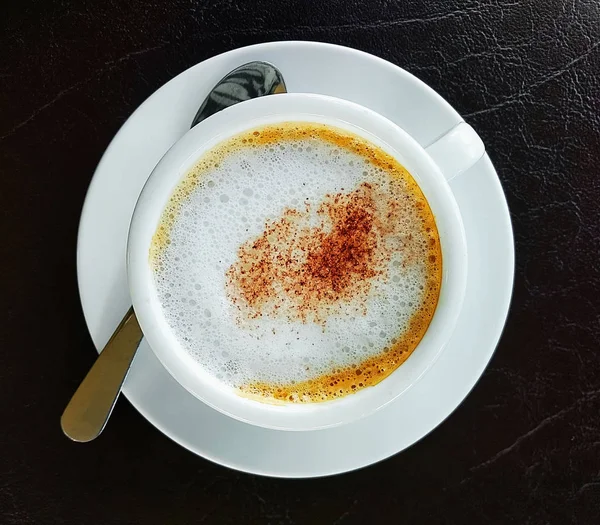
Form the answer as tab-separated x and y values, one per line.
525	445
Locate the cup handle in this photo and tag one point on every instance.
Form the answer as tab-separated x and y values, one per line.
456	150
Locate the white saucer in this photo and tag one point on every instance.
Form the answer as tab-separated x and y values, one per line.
131	156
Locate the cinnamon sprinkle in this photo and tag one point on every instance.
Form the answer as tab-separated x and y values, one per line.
307	272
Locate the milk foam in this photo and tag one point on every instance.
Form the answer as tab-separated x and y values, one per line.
227	200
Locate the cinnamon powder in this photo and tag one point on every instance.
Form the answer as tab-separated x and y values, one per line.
307	272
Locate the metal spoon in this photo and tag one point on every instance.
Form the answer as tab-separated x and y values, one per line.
90	407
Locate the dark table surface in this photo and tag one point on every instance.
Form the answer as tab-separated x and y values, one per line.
523	448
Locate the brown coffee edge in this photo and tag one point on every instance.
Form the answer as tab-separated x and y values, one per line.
371	371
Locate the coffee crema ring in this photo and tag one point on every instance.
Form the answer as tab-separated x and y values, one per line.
370	245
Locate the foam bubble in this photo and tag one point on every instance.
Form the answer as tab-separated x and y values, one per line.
229	200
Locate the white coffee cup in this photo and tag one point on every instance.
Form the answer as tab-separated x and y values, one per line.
454	152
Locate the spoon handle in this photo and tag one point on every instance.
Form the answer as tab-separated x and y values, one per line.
91	405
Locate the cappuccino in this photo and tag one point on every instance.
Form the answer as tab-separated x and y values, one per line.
297	262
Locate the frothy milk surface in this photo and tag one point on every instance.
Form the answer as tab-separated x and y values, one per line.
297	262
